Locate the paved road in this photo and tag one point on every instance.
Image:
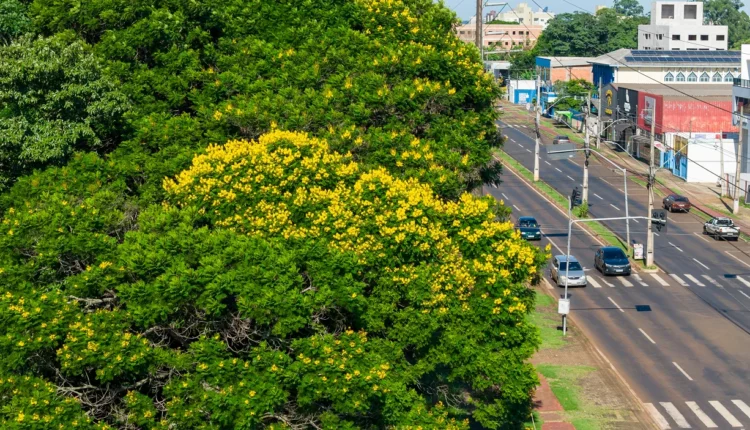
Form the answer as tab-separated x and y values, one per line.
688	364
700	264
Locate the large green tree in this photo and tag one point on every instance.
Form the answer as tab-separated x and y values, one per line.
627	7
729	13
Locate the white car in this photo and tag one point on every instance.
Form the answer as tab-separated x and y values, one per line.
576	275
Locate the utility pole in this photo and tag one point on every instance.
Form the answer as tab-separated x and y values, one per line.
585	196
651	178
479	31
721	155
738	156
536	126
599	113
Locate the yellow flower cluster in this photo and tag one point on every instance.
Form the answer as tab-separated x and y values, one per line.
292	186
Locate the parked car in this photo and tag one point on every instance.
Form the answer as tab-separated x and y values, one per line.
576	275
611	260
529	228
721	227
560	139
674	202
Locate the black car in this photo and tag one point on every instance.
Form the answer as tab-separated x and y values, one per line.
611	260
529	228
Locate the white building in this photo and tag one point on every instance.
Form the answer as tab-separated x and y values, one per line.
741	97
678	26
523	14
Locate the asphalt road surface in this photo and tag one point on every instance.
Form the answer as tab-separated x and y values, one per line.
679	339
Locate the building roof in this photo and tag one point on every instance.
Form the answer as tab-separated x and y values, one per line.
685	91
568	61
651	58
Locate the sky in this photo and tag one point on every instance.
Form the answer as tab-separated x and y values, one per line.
466	8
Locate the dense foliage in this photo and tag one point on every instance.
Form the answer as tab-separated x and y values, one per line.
170	258
729	13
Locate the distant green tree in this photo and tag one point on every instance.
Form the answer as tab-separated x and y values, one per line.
729	13
627	7
13	20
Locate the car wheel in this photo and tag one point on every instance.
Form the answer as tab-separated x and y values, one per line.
704	230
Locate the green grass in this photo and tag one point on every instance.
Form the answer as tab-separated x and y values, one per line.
587	424
546	319
537	422
562	380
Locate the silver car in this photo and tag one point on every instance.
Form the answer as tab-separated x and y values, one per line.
576	275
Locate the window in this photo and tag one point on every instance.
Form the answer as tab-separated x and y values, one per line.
675	37
716	77
461	32
692	37
680	77
659	48
691	11
719	37
704	37
514	33
648	48
692	49
647	36
669	77
704	77
675	49
729	77
659	36
692	77
667	11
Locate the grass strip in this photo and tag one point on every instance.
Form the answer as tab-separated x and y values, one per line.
545	317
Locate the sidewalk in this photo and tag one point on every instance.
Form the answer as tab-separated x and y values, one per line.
549	408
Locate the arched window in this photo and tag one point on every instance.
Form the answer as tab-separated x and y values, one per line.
716	77
680	77
692	77
669	77
704	77
729	77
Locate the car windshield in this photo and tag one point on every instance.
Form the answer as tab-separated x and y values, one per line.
614	253
574	265
723	222
680	199
528	223
562	137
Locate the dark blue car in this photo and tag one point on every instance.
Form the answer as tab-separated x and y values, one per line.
611	260
529	228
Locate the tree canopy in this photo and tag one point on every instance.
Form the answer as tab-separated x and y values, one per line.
253	214
729	13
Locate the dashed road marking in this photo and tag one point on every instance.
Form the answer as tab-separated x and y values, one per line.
548	163
701	264
695	280
741	279
570	178
597	196
516	207
743	293
681	370
725	413
676	247
711	280
705	419
660	280
528	150
675	414
616	208
558	170
504	196
647	336
701	237
679	280
735	257
640	281
657	416
742	406
616	305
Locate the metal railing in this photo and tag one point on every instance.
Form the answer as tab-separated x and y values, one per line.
744	83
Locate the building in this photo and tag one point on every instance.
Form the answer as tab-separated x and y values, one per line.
675	68
522	14
501	36
554	69
692	126
678	26
741	99
521	91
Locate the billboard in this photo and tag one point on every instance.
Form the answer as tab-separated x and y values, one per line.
609	100
650	112
627	103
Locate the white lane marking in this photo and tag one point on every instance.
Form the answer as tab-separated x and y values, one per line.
676	247
679	280
519	145
743	293
558	170
742	406
660	280
695	280
656	234
725	413
528	150
504	196
616	208
548	163
741	279
635	221
701	264
657	416
516	207
701	237
608	284
624	281
616	305
676	415
683	372
705	419
522	125
735	257
711	280
570	178
640	281
606	181
593	282
647	336
597	196
514	141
